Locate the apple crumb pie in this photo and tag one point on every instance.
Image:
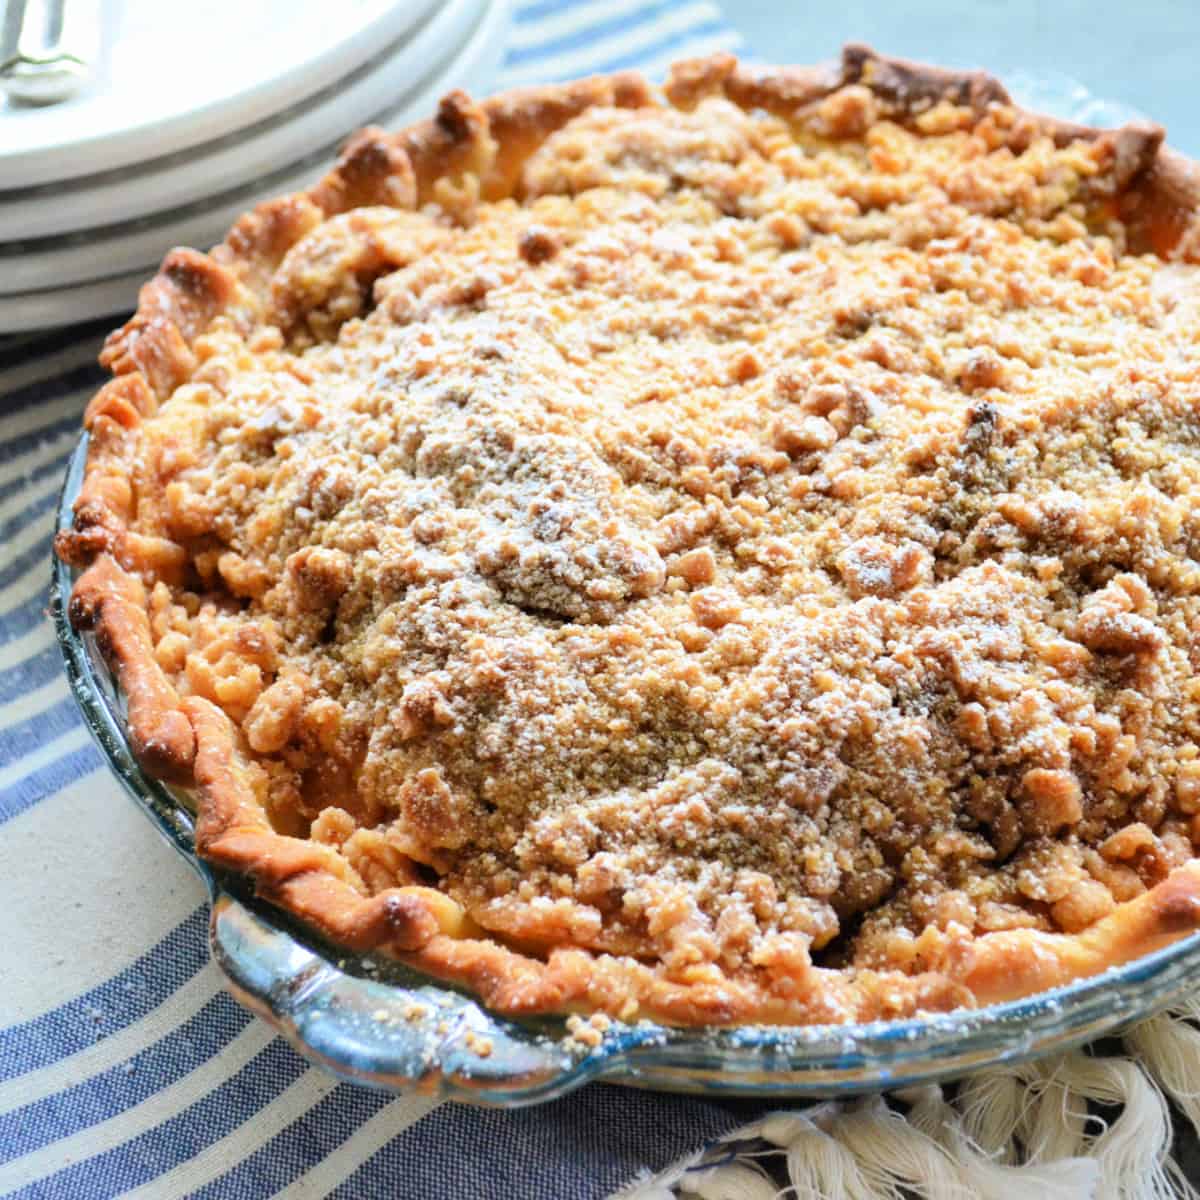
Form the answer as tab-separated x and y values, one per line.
720	553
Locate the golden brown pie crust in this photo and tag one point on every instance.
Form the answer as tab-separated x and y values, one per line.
1086	901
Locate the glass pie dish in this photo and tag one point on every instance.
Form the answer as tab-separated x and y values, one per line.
377	1022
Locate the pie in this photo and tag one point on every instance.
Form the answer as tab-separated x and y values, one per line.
722	553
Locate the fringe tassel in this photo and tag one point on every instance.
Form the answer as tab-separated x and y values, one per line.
1006	1133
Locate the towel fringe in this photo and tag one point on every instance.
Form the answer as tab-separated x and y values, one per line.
1006	1131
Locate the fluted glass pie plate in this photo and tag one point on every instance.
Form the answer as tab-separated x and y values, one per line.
376	1022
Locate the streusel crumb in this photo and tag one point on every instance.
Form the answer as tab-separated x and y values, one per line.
748	548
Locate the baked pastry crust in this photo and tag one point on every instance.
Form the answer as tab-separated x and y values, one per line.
138	556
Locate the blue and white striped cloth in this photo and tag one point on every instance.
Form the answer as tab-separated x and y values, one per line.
124	1067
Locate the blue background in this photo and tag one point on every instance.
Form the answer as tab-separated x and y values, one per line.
1143	55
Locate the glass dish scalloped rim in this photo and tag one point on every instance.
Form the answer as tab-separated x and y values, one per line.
377	1022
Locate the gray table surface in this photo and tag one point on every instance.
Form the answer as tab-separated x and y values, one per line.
1142	55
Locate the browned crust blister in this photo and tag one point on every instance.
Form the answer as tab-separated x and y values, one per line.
472	151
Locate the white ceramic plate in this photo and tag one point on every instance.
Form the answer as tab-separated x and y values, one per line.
191	176
473	68
59	261
172	75
64	306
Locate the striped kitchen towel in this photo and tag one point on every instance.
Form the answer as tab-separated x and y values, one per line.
125	1069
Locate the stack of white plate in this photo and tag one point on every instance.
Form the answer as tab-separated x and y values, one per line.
198	111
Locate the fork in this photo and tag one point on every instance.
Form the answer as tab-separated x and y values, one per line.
46	48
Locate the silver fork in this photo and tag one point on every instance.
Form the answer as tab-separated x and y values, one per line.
46	48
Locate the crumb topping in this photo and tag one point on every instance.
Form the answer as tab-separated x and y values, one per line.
755	545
